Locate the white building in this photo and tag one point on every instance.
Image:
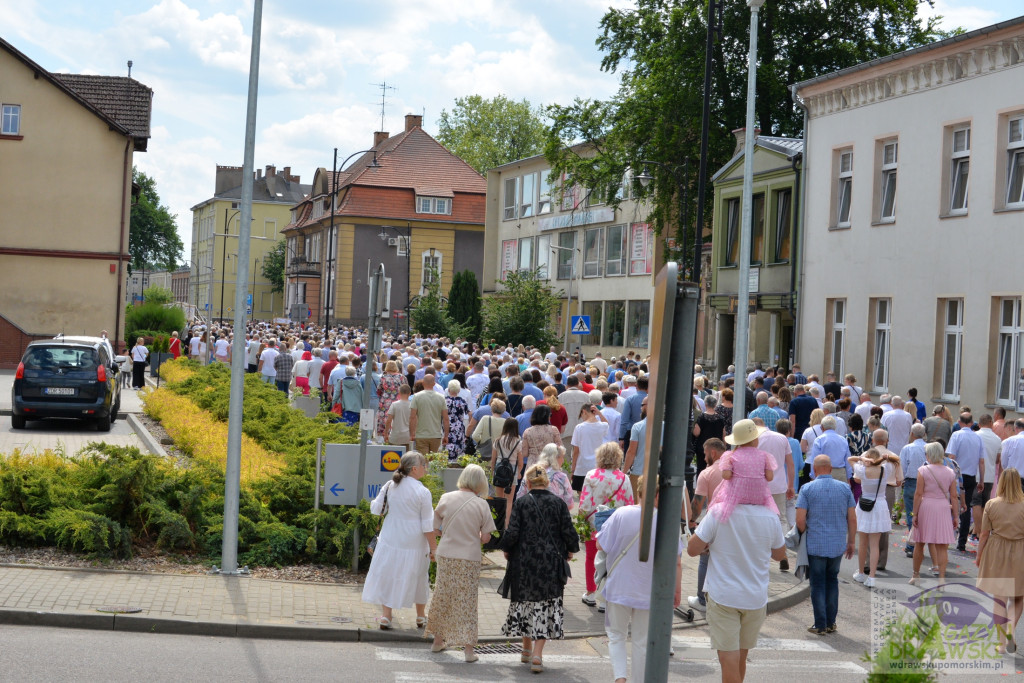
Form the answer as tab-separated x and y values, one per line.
531	225
914	225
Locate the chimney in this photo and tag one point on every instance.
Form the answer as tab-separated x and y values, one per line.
741	138
271	170
259	173
413	121
228	178
287	173
379	137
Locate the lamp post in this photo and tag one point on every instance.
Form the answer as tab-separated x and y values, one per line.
332	238
408	264
746	222
255	263
579	283
223	258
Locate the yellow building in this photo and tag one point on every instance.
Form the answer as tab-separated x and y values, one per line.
66	153
215	227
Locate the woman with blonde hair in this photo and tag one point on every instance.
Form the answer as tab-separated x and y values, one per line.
538	544
463	520
813	430
1001	554
405	546
936	510
871	524
559	417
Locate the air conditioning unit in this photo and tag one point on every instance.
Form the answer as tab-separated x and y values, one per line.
392	241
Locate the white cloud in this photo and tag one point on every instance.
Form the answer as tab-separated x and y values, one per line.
958	14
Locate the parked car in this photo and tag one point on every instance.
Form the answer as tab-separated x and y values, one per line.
70	377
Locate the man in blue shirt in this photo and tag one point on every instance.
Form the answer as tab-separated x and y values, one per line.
911	458
835	447
523	418
631	411
768	415
824	511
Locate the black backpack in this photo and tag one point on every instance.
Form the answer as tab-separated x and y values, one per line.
504	473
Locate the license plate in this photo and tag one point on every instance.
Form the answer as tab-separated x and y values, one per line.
59	391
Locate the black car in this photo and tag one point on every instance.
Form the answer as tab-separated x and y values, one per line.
72	377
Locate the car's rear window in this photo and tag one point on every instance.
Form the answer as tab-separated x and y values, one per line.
64	357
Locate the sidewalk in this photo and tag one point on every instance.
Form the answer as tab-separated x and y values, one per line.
246	607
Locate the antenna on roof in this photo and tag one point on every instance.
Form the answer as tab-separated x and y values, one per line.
384	87
129	68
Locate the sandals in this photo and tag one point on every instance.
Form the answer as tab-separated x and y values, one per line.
525	656
537	665
915	579
384	623
421	622
472	657
438	648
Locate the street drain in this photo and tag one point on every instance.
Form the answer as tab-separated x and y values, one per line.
342	620
119	609
499	649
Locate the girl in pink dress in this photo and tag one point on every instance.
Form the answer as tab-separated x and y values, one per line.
746	472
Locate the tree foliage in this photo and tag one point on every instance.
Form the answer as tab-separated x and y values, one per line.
153	232
488	133
658	50
273	266
522	312
428	316
157	295
464	303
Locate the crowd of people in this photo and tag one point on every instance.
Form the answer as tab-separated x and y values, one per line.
565	436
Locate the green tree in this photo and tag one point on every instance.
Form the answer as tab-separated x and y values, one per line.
153	231
429	316
464	303
658	49
488	133
273	266
522	312
158	295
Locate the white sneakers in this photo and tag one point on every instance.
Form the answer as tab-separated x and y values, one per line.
694	602
859	577
869	582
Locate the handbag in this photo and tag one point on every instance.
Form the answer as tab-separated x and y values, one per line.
372	545
868	505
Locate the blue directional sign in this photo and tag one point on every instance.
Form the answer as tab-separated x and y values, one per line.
248	300
341	471
336	489
581	324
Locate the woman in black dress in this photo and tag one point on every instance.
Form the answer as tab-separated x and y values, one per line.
539	540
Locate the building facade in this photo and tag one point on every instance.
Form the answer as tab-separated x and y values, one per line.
63	254
773	296
599	258
180	284
915	169
407	203
215	234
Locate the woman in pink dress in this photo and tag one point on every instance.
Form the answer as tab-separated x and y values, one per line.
390	381
936	508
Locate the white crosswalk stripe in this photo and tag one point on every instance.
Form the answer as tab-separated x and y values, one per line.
788	644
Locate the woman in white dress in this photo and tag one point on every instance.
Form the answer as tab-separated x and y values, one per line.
405	545
872	470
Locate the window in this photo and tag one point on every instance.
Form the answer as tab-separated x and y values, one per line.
510	199
783	225
732	232
431	268
1010	349
11	120
757	230
312	247
836	336
593	309
544	189
614	323
639	323
641	249
1015	174
572	195
592	252
544	257
526	253
844	189
508	257
529	195
438	205
880	349
318	209
615	250
890	151
266	301
959	170
293	250
952	340
566	255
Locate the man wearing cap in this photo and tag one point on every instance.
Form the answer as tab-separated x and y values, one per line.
737	579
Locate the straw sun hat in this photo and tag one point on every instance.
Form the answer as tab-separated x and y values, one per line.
744	432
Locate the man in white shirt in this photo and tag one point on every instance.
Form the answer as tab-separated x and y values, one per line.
193	345
477	382
268	373
886	403
252	357
864	409
898	423
587	436
1013	448
552	356
781	487
966	447
628	388
611	414
737	579
993	447
572	399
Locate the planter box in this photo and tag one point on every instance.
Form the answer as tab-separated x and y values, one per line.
309	406
155	360
450	478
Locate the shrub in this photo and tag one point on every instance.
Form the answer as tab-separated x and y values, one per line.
153	317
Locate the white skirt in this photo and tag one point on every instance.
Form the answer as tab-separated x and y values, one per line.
878	520
398	577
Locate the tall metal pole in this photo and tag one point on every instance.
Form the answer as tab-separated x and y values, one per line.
223	263
372	344
253	309
232	475
746	223
330	247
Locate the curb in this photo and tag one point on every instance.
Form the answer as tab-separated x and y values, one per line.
790	598
148	440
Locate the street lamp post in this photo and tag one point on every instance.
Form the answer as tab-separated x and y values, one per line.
223	258
252	308
746	222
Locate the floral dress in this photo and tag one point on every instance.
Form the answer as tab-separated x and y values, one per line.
604	487
458	412
388	393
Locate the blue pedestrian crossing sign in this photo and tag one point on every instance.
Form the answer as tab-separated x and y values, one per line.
581	324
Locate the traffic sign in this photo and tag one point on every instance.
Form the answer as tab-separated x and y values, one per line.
248	311
248	300
581	324
341	471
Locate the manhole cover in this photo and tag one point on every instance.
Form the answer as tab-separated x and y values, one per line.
342	620
119	609
499	649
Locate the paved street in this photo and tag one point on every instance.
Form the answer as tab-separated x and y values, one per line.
69	435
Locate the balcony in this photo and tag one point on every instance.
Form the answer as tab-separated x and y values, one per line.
300	266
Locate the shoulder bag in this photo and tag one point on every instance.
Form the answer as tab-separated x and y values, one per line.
603	571
372	545
868	505
603	512
450	519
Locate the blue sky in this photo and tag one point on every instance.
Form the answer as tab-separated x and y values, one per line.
319	66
